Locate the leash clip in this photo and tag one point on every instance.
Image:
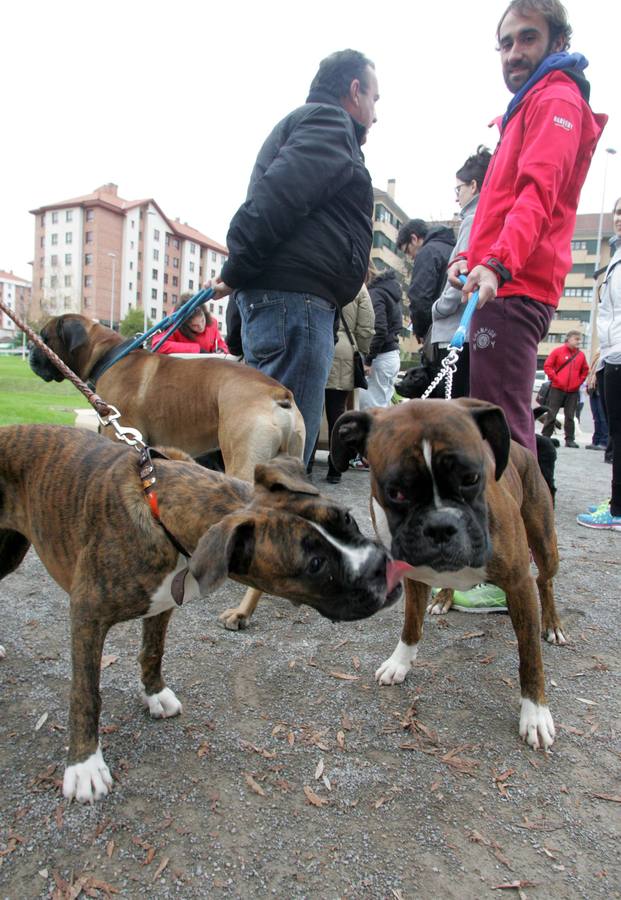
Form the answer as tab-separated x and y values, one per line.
130	436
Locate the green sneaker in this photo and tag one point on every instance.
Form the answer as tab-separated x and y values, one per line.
482	598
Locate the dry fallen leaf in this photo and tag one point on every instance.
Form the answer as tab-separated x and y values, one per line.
327	782
109	849
108	660
203	750
41	721
470	634
344	676
356	662
291	739
586	702
340	739
613	798
161	868
313	798
254	785
319	770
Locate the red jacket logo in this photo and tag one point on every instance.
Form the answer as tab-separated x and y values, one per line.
563	123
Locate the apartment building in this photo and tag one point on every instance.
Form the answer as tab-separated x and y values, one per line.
577	303
102	256
16	294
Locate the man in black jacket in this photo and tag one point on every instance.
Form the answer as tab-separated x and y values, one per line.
299	246
430	248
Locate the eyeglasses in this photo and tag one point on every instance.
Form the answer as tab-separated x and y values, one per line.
458	188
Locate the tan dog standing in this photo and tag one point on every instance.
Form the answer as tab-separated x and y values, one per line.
197	405
460	503
79	500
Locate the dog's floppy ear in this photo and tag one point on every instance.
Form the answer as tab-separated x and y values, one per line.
227	546
492	424
285	473
72	333
349	437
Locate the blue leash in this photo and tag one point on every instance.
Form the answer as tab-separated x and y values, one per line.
170	323
449	363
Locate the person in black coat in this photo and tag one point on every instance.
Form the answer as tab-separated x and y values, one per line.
299	245
383	359
431	249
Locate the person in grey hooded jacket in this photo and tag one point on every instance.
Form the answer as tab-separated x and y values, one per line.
447	310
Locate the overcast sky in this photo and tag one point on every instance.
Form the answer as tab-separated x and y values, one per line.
173	100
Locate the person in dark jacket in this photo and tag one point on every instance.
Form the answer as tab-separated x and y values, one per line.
382	359
431	249
299	246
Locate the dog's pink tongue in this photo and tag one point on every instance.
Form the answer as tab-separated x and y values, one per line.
395	570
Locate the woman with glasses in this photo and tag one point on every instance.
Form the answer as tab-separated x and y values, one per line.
447	309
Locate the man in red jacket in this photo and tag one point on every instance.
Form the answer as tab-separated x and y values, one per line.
567	368
520	245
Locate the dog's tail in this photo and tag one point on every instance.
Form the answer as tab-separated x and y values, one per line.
291	426
13	548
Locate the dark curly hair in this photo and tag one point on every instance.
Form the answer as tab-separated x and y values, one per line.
553	12
185	327
475	167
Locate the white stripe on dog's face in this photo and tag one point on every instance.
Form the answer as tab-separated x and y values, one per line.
355	557
427	457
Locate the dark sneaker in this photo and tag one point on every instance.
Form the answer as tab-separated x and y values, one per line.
571	444
333	477
595	447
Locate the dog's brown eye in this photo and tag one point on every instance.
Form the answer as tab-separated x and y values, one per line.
470	480
316	565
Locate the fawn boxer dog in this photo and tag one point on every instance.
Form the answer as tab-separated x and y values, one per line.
196	405
79	500
461	503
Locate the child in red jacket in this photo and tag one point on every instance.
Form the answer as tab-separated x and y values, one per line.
198	334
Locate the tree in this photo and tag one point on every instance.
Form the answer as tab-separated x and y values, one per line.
133	323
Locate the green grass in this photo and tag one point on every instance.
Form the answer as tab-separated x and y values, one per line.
26	398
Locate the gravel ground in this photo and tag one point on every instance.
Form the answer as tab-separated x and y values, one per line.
292	774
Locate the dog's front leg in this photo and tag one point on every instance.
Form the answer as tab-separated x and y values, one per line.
536	725
238	617
160	700
396	667
87	776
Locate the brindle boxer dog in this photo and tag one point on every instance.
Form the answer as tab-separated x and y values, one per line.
461	503
196	405
79	500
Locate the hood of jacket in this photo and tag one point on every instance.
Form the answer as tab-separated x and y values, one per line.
389	284
440	233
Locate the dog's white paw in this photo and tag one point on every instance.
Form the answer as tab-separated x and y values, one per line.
2	652
555	635
536	725
87	781
162	705
233	619
440	604
394	669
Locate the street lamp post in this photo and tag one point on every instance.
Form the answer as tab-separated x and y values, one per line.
610	151
113	255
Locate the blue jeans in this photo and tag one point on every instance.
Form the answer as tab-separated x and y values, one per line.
290	336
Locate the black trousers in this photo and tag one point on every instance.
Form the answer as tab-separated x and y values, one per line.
611	397
569	402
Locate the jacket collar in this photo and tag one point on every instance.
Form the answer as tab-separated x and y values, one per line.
571	63
318	95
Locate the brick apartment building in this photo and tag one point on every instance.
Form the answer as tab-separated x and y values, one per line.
102	256
16	294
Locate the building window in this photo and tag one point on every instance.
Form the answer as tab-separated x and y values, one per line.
156	234
54	281
138	276
176	243
154	274
156	254
42	261
167	240
42	242
213	273
153	312
88	281
140	256
213	256
174	298
67	280
191	284
153	293
54	239
43	219
133	223
69	215
40	282
176	262
175	281
88	259
131	245
90	215
53	260
167	260
131	265
67	302
68	259
68	237
165	297
192	248
165	277
131	285
88	237
87	301
219	310
54	218
191	267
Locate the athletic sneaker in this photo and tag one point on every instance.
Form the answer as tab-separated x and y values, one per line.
602	518
358	463
482	598
596	507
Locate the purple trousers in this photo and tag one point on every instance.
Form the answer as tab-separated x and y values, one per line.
504	337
